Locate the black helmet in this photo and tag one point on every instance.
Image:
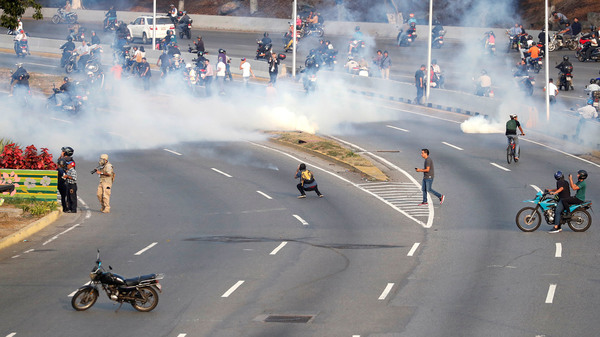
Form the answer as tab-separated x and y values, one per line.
221	51
266	34
62	162
558	175
70	39
68	151
66	79
566	58
582	174
592	80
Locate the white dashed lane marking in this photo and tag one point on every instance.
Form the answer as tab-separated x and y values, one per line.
453	146
413	249
232	289
145	249
173	152
264	195
500	167
221	172
558	250
301	220
397	128
550	295
281	245
386	291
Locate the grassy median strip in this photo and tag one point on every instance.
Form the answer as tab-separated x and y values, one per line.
325	147
38	82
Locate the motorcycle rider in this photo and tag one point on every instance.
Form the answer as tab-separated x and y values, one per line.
66	91
563	192
184	21
110	17
95	38
590	46
511	133
532	53
173	14
590	89
21	39
356	38
564	67
20	79
567	31
265	44
67	49
483	84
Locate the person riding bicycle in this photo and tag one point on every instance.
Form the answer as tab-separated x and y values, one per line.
563	192
511	133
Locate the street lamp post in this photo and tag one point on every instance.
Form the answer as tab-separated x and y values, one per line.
547	57
294	13
429	49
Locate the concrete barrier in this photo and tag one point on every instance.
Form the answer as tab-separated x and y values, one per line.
256	24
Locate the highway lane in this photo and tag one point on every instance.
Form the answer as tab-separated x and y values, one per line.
212	231
480	275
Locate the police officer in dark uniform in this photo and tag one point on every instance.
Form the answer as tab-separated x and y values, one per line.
20	79
62	184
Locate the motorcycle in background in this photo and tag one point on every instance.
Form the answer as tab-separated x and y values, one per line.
62	16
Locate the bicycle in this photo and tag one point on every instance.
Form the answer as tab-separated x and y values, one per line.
511	154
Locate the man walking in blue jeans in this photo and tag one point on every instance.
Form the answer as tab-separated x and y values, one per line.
428	178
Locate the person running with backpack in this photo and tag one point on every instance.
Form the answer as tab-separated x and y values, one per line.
307	181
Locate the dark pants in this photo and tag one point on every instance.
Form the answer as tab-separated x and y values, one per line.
207	85
62	189
146	80
302	189
567	202
426	187
72	197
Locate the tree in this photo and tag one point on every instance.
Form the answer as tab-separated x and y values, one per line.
12	10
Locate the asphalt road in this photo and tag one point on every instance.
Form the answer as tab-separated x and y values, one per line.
214	218
460	60
365	260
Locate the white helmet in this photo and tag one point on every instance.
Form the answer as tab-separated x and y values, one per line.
188	65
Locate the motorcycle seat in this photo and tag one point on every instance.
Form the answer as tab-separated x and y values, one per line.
139	279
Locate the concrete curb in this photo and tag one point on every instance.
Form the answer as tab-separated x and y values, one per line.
30	229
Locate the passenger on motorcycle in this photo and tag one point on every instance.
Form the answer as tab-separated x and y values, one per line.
358	35
589	46
313	19
580	187
411	19
511	133
20	79
521	69
563	192
436	74
84	54
568	31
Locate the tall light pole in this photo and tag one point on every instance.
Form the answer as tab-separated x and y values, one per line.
154	26
429	49
294	13
547	57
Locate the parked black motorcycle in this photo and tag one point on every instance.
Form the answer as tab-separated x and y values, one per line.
186	30
140	292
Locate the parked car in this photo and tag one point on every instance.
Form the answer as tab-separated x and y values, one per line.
141	28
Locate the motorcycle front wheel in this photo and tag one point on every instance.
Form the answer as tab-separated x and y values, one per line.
84	299
528	219
580	220
72	18
551	47
572	45
69	68
56	19
146	299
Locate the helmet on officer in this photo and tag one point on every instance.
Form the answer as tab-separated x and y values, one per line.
67	150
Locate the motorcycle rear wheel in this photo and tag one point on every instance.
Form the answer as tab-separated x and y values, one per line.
580	220
572	45
72	18
551	47
528	219
69	68
146	299
580	57
56	19
84	299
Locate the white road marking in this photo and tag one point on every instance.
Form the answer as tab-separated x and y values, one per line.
43	65
551	291
558	250
386	291
500	167
562	152
59	234
221	172
453	146
61	120
11	334
264	195
145	249
281	245
397	128
173	152
25	252
232	289
386	162
301	220
536	188
413	249
182	335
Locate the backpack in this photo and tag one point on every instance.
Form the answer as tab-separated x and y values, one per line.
511	125
307	177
